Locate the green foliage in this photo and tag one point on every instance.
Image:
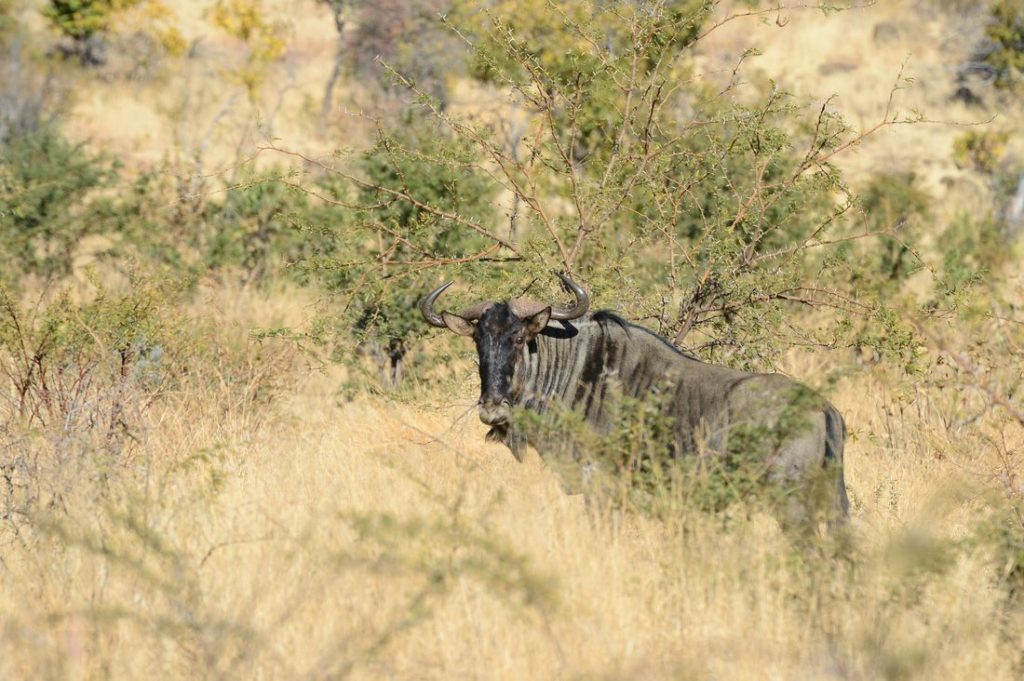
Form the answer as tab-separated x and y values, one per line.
895	203
558	42
81	19
711	216
45	202
981	150
581	51
1006	31
436	171
83	370
256	226
79	378
538	48
254	230
971	247
410	182
246	21
742	209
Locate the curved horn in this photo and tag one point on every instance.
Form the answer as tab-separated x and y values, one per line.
579	306
427	306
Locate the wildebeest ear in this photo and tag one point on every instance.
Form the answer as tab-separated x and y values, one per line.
537	322
457	324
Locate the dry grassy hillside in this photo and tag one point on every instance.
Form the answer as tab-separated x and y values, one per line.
198	99
263	525
909	49
855	56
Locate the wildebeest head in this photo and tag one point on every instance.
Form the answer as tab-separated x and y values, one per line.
502	331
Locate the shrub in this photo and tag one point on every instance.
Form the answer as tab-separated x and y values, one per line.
1006	33
52	351
78	378
254	229
247	22
895	204
85	22
411	181
985	152
971	247
980	150
45	202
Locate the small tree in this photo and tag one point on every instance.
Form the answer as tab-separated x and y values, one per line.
381	255
1005	53
44	202
84	23
246	21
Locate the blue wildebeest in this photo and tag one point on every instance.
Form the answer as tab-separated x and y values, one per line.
539	357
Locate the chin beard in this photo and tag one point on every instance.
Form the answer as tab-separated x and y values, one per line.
498	433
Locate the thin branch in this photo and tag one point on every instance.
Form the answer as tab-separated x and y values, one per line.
778	8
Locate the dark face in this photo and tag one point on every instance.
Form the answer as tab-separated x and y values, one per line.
500	338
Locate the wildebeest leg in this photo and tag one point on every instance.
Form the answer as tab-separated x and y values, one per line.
806	471
835	437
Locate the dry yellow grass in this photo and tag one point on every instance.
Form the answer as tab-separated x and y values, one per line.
314	539
199	101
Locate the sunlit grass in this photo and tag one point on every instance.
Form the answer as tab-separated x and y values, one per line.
311	538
